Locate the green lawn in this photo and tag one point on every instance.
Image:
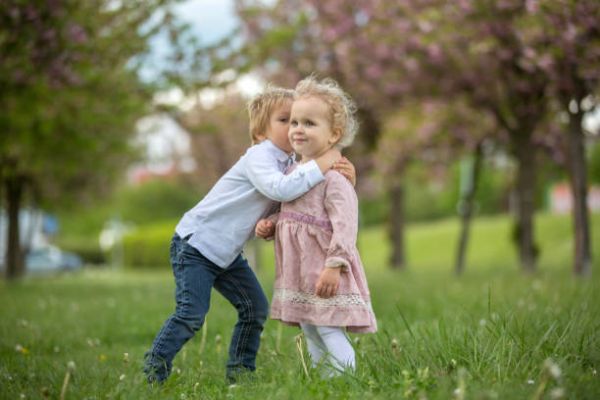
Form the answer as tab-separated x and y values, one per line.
491	334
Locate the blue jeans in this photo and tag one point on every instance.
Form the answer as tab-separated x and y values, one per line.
195	276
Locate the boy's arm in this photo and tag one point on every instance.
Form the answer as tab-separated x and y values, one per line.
270	181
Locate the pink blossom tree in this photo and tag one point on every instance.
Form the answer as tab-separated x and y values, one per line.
570	56
509	60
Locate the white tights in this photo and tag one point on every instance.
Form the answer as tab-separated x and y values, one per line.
331	342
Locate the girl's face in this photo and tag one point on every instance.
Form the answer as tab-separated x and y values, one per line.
279	123
310	131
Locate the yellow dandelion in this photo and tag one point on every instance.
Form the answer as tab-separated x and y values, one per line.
21	349
102	357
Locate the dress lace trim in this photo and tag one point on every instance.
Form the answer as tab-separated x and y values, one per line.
294	296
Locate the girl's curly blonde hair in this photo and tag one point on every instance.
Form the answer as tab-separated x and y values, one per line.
262	106
342	107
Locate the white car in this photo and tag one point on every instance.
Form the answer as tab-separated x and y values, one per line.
51	259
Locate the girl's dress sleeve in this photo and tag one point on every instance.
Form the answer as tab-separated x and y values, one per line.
341	205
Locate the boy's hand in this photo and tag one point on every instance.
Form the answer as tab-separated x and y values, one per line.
265	229
346	168
328	283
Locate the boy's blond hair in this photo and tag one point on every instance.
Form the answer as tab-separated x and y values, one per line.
342	107
262	106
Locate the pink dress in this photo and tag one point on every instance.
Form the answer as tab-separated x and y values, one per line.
313	231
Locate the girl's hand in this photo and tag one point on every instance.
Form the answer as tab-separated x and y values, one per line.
328	283
265	229
346	168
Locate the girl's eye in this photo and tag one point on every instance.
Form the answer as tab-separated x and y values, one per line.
283	120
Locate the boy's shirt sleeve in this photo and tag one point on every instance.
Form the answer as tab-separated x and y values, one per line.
266	177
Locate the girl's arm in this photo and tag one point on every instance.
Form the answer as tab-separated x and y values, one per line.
342	208
265	228
341	204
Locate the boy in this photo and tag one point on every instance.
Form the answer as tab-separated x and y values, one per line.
206	247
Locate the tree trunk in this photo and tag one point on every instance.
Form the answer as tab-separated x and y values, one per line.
466	208
397	259
525	204
14	255
577	171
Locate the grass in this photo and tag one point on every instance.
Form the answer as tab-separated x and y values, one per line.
493	333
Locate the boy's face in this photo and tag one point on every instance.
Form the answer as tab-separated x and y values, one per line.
279	123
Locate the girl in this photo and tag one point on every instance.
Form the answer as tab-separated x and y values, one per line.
320	283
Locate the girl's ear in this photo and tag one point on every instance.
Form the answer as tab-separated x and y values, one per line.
336	136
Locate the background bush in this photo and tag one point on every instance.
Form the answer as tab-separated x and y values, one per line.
86	247
149	206
148	246
156	200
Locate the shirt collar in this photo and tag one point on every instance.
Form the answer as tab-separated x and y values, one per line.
281	155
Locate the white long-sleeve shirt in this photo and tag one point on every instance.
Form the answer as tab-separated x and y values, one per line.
225	218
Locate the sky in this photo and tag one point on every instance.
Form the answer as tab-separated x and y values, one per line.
209	20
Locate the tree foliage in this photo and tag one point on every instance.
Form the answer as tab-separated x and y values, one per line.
70	95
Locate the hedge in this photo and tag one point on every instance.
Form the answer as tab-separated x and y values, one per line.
148	246
86	247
